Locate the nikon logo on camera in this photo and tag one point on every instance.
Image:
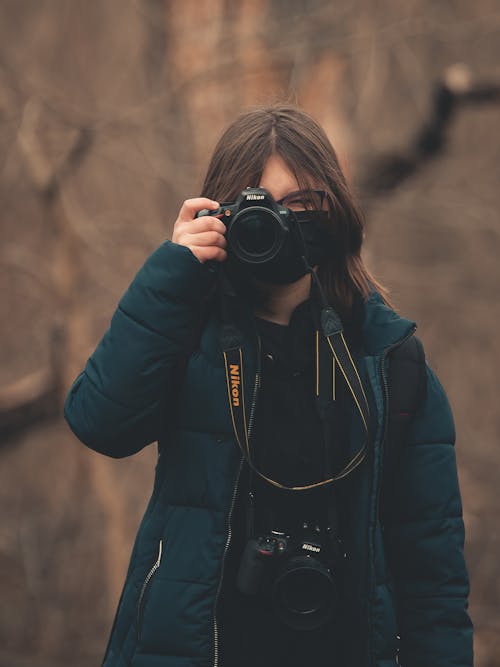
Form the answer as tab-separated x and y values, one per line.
234	370
311	547
253	197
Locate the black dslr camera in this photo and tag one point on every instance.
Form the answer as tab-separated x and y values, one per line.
299	575
258	228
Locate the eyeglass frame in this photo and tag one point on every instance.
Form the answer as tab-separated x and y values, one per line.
321	193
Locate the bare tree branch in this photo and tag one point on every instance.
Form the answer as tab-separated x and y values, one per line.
454	92
35	397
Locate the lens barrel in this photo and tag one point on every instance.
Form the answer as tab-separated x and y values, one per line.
256	235
304	593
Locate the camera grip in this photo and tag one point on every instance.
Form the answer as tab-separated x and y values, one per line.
254	571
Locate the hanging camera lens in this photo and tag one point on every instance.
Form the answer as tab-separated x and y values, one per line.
304	593
298	575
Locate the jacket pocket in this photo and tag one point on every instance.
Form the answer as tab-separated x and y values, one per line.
145	588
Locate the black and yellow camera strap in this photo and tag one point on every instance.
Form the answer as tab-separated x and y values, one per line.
330	339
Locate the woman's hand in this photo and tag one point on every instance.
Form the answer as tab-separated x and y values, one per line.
204	236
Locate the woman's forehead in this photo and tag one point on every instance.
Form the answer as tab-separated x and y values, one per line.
278	178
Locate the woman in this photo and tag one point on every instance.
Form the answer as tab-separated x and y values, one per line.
280	530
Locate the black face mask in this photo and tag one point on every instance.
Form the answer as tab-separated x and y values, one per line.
311	237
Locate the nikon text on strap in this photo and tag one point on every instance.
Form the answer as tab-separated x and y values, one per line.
330	337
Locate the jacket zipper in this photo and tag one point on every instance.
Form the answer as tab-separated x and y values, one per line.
233	500
145	584
385	387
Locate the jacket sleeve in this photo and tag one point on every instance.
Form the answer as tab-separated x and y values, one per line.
119	402
426	542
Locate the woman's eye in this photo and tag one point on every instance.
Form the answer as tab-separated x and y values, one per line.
303	202
298	204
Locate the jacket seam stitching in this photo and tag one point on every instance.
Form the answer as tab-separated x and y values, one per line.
113	400
142	323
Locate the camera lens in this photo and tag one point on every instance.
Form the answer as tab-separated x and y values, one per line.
304	593
256	235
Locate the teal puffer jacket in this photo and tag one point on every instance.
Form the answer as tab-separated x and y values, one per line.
136	389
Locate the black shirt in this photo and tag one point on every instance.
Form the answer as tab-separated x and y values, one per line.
288	446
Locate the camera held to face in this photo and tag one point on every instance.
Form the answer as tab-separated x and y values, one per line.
299	575
257	227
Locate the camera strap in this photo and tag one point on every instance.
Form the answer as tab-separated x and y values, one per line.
331	338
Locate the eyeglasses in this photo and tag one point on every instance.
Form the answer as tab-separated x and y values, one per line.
304	200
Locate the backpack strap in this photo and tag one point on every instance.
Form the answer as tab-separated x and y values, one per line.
407	389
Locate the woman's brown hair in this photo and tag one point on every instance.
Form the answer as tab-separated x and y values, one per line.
238	162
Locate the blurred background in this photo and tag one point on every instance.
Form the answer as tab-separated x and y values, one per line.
108	114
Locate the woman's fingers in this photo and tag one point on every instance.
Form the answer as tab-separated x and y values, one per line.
206	245
204	236
205	224
205	231
198	226
191	207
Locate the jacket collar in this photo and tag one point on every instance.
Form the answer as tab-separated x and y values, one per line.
382	327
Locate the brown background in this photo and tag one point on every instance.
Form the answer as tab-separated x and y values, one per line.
108	112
